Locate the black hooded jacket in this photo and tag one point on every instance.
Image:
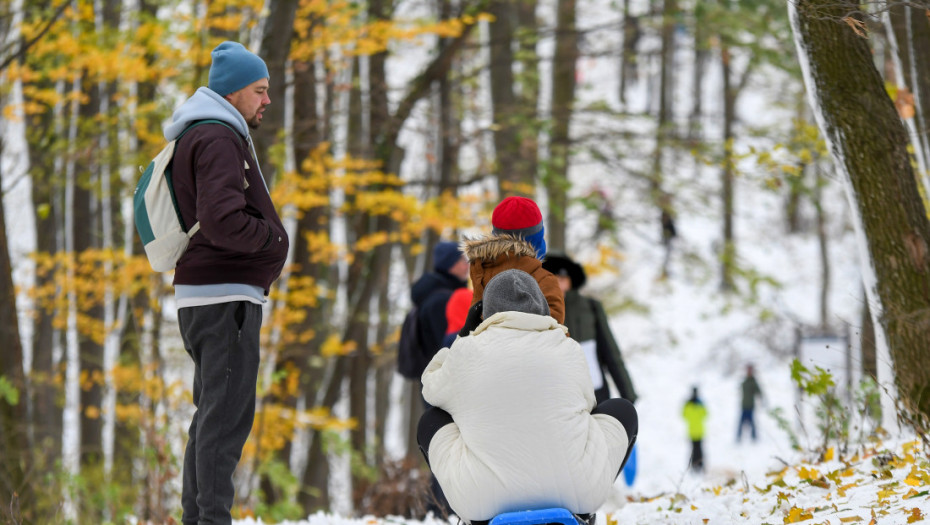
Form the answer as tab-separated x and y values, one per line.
430	294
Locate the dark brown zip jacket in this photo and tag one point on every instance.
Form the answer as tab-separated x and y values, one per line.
241	238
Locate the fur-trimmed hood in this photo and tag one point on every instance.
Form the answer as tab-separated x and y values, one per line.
492	254
490	247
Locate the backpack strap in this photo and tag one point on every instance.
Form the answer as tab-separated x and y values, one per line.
196	227
207	121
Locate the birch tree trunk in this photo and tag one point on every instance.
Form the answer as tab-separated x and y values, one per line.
909	36
870	147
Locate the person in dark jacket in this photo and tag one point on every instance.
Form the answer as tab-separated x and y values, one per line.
587	323
750	391
223	277
432	291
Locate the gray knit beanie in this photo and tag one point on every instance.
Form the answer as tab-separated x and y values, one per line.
514	291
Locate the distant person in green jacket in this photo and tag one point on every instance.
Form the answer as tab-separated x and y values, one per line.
587	323
694	414
750	391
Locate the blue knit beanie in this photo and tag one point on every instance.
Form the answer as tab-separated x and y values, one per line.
234	67
445	255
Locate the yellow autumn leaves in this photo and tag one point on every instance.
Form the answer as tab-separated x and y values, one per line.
879	484
877	478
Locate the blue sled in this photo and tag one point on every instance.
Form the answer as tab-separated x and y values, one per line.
536	517
629	470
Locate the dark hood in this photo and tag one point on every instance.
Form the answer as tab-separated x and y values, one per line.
432	282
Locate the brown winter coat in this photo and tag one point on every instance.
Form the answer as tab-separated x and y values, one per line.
490	255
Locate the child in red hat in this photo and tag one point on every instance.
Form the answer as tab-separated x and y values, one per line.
517	241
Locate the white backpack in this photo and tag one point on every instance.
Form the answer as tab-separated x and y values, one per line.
157	216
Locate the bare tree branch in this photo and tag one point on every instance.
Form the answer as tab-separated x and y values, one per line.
21	53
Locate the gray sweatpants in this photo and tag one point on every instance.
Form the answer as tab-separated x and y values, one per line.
223	341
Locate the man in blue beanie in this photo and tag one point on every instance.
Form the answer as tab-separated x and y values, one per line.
222	279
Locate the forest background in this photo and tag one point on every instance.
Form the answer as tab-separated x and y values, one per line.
486	99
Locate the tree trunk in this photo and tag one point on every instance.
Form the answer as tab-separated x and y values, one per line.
664	130
15	492
362	274
867	342
563	96
503	99
628	43
528	93
920	40
909	34
697	79
728	255
87	237
41	137
824	250
309	132
870	146
275	50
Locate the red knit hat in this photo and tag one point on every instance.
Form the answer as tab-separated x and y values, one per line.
520	217
457	309
516	213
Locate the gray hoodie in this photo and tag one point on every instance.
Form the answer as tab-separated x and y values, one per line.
206	104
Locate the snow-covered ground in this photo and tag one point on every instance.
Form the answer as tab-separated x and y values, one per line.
684	332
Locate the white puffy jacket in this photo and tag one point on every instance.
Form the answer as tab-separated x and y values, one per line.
524	437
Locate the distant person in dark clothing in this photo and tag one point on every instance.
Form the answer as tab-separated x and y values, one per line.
750	391
694	414
587	323
432	291
669	231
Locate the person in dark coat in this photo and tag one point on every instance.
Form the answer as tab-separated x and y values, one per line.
750	391
432	291
587	323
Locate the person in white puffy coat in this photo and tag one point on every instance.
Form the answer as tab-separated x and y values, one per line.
514	425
